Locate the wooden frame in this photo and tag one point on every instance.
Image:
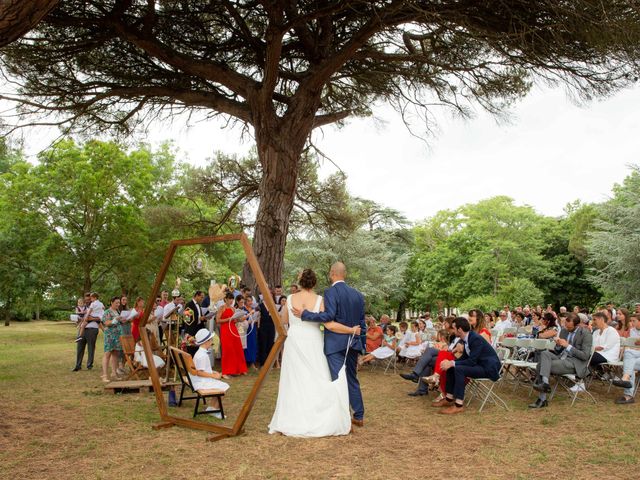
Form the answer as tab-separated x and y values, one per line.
170	420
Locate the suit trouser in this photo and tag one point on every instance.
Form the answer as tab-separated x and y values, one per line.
550	363
88	339
456	376
630	363
335	361
424	367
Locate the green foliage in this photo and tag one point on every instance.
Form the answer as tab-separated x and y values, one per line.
614	244
486	303
520	291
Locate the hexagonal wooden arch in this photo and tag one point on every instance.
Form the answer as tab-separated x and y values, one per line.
170	420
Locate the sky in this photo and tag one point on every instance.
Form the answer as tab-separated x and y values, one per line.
551	151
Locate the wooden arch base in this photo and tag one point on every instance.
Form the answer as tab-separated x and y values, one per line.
169	420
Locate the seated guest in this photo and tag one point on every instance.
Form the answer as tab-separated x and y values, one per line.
384	322
205	378
519	319
570	356
606	341
141	358
412	348
374	335
631	363
386	350
478	360
549	328
427	320
426	364
503	321
623	324
477	322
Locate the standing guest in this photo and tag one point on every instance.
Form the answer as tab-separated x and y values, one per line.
606	341
374	335
164	298
277	293
123	311
89	334
135	323
284	321
623	324
478	360
93	314
266	333
112	332
195	320
169	315
293	289
630	364
251	352
233	362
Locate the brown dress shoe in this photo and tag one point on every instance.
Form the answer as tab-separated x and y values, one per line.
357	423
452	410
441	403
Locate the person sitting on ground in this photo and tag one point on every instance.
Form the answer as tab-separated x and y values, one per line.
630	363
93	314
570	356
412	348
386	350
374	335
606	342
426	364
478	360
205	378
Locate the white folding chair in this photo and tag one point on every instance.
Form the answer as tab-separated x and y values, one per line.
570	380
485	388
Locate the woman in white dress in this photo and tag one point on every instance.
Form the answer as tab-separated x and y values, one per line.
310	404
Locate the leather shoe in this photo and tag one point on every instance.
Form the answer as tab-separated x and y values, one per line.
76	369
622	383
417	394
357	423
539	404
410	376
452	410
624	400
542	387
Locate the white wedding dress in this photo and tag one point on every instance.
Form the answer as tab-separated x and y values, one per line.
309	404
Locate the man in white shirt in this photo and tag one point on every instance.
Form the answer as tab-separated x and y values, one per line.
176	305
503	322
89	332
630	364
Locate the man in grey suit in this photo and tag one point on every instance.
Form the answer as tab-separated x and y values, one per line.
570	355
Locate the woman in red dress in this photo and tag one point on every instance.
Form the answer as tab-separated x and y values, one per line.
135	324
233	362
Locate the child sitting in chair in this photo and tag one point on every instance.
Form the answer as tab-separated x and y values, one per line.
205	378
141	358
386	350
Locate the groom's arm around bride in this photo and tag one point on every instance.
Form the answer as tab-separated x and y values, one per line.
345	305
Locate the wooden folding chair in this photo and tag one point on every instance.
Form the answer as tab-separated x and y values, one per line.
184	365
129	351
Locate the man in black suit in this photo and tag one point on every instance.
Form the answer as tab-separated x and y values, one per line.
266	333
478	360
194	322
570	356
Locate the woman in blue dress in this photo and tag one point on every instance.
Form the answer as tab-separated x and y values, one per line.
251	352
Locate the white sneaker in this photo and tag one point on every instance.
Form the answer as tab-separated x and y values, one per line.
578	387
216	414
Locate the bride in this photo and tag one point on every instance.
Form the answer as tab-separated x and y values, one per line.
309	403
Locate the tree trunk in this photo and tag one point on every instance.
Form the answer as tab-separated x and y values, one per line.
17	17
7	313
279	156
87	281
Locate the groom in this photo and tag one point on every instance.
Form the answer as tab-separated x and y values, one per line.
344	305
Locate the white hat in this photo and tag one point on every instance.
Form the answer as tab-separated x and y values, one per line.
203	335
175	293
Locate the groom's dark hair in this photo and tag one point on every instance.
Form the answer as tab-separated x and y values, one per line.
308	279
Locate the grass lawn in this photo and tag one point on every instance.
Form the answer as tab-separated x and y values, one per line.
56	424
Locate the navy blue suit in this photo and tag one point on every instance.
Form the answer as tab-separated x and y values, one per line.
481	362
344	305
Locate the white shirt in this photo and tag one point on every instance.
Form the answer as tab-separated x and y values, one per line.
502	324
202	362
429	323
408	337
96	310
610	341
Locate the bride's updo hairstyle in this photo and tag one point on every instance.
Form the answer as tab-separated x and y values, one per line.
308	279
